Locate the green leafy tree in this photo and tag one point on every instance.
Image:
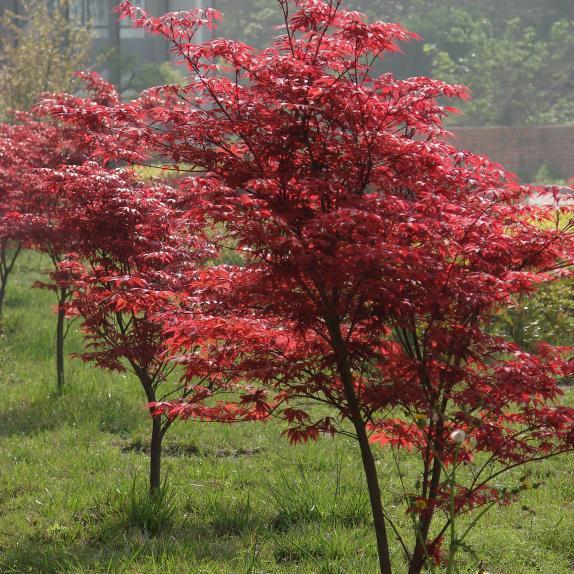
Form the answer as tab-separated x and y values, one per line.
135	74
516	75
548	315
251	21
40	50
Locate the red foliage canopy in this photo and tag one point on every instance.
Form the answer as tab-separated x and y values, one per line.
375	253
132	253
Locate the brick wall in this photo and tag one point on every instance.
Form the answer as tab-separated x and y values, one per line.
522	150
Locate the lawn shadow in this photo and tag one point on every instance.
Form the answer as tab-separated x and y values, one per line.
113	547
30	417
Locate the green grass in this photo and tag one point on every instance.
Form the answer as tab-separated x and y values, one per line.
240	500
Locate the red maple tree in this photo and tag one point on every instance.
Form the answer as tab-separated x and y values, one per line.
11	173
375	257
25	144
131	250
133	253
39	144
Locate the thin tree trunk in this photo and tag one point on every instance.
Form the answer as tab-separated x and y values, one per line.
3	283
114	41
155	456
6	267
370	469
157	431
367	457
60	337
420	553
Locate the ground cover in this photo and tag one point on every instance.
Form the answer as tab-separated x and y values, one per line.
242	500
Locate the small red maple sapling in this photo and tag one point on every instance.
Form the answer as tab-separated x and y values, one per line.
10	193
32	144
43	144
25	145
133	252
375	257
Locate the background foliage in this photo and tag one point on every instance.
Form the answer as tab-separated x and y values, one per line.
515	55
25	70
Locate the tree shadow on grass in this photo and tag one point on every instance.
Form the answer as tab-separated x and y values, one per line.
112	547
30	417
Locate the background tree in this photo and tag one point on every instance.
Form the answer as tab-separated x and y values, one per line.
12	170
40	50
137	74
41	144
547	315
27	145
250	21
516	72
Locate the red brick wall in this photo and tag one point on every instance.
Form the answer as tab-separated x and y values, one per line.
522	149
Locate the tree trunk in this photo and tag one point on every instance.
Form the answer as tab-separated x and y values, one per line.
114	42
374	489
3	283
367	457
157	431
155	456
60	336
419	558
6	267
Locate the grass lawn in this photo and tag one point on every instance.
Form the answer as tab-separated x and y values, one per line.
244	501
